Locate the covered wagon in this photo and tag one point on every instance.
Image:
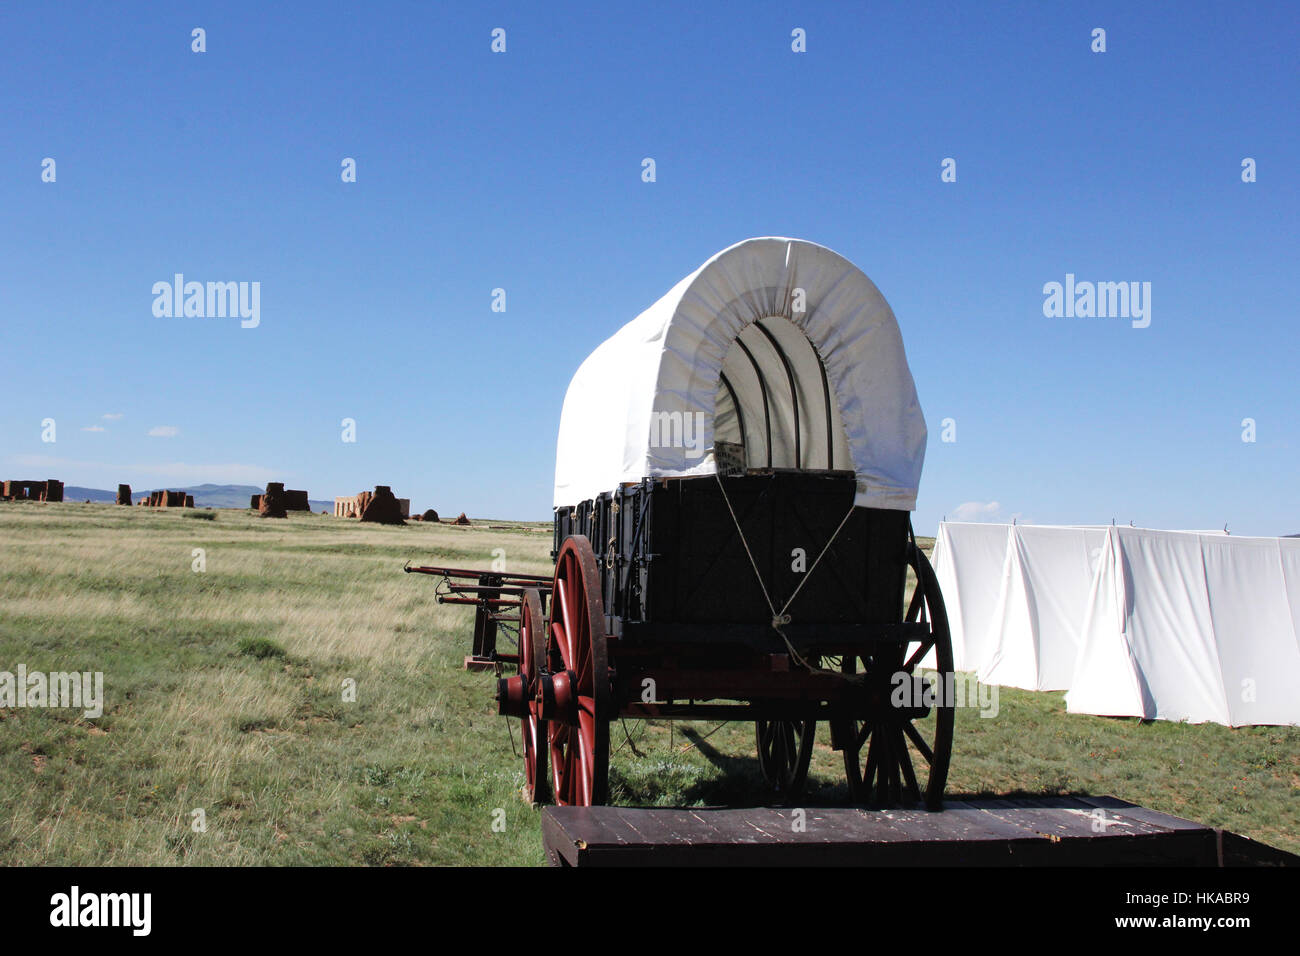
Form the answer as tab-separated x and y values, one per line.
735	472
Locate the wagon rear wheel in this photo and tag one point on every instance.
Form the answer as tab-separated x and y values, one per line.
899	753
575	692
532	650
784	751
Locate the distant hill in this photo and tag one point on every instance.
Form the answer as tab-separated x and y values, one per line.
205	496
73	493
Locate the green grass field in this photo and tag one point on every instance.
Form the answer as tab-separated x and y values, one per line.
224	693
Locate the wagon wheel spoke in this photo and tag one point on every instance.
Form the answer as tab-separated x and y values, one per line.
919	654
566	628
583	666
872	777
909	772
914	607
781	751
560	745
887	768
869	773
586	745
895	792
863	734
915	736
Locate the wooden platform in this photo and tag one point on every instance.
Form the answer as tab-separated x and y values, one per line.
1053	831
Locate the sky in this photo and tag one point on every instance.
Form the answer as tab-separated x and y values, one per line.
522	170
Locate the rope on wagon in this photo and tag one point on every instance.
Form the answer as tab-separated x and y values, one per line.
781	618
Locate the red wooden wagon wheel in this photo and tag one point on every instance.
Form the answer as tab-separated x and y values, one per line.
532	650
889	776
575	692
516	696
784	751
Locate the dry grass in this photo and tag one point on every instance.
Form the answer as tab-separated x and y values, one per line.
284	769
224	693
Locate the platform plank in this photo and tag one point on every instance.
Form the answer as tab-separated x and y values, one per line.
1051	831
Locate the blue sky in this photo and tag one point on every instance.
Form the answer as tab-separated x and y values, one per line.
522	171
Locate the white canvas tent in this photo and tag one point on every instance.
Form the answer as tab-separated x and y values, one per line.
1037	625
1194	627
771	337
1016	596
969	560
1177	625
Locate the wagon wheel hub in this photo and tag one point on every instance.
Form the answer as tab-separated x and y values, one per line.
896	697
557	699
512	696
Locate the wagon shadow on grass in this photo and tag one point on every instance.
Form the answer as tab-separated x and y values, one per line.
738	783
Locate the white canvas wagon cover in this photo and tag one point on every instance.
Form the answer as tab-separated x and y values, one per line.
654	399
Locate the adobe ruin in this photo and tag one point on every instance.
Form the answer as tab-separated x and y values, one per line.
159	499
383	508
292	499
271	504
354	506
51	489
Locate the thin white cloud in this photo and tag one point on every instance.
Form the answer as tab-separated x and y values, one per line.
93	428
976	511
221	474
112	416
164	431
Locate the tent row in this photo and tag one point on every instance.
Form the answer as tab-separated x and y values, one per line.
1175	625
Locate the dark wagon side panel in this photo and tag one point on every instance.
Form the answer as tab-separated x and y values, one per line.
675	571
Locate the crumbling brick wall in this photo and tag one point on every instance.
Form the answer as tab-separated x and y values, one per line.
272	504
49	490
382	507
355	506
